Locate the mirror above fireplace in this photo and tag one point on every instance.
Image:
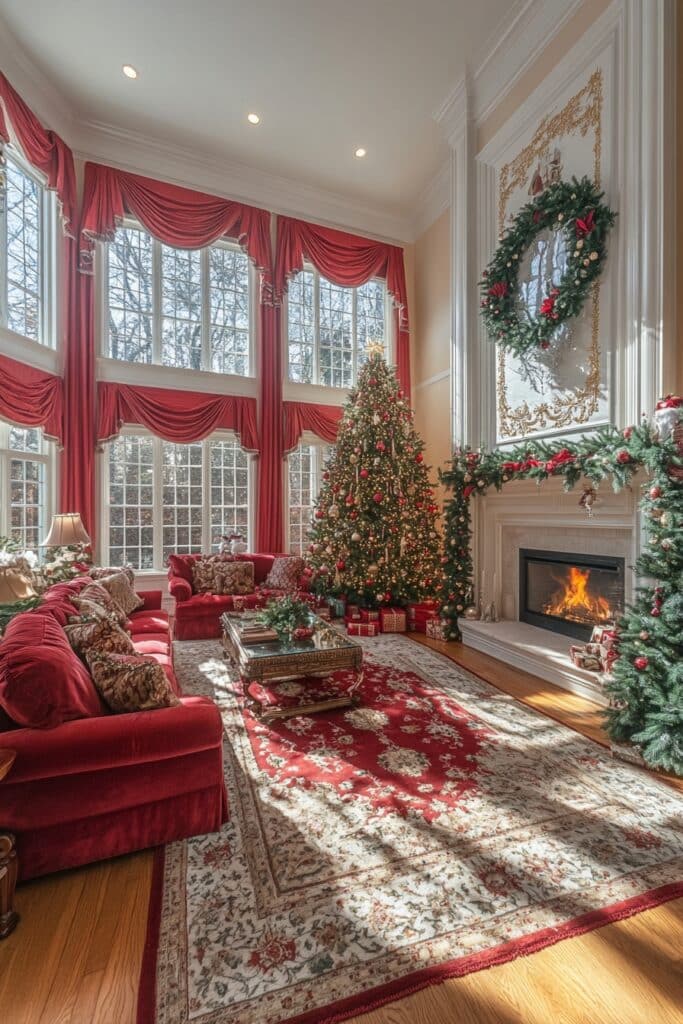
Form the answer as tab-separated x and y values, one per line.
568	592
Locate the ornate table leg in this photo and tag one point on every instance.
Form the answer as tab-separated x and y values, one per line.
8	881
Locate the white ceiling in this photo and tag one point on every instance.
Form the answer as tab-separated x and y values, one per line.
326	76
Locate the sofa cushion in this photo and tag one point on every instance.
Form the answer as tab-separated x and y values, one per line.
148	622
130	682
234	577
262	564
143	645
181	565
285	574
209	605
203	577
119	586
102	571
98	635
42	681
98	594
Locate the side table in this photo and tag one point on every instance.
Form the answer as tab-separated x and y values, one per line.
8	863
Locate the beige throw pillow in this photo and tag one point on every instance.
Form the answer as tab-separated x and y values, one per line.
120	589
100	635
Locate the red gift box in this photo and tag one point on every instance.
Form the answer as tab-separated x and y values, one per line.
352	609
352	616
418	624
419	608
393	620
362	628
369	615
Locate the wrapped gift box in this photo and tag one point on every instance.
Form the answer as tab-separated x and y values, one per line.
606	635
393	620
418	624
337	606
323	613
418	609
362	628
352	616
436	629
369	615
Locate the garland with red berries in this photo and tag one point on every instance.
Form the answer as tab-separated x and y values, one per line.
646	684
574	207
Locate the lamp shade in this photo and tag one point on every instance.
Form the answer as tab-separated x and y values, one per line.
66	529
13	585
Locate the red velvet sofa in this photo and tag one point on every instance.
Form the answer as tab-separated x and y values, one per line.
101	786
197	616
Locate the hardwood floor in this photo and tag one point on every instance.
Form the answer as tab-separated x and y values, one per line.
75	956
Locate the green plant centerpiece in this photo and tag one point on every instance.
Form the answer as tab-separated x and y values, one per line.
289	617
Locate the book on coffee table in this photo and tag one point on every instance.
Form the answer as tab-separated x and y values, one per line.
254	634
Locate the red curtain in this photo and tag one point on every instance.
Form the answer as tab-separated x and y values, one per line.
177	216
181	416
31	397
348	261
44	149
321	420
270	522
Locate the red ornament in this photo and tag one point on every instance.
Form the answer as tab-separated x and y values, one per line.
627	432
400	393
372	381
364	474
419	457
319	514
341	565
353	514
655	492
380	446
623	456
387	597
656	612
377	496
349	499
641	662
369	582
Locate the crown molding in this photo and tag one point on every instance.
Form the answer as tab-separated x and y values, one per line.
33	86
433	200
453	114
185	166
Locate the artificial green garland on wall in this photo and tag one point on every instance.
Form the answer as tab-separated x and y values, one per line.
646	685
574	207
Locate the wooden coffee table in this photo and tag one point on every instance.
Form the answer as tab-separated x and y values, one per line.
326	652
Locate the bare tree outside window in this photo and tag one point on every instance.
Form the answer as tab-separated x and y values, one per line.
21	241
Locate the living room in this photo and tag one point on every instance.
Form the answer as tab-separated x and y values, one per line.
341	531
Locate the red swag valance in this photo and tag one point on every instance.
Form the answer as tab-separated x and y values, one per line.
321	420
176	216
44	149
348	261
31	397
180	416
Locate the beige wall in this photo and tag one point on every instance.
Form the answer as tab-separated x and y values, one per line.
432	340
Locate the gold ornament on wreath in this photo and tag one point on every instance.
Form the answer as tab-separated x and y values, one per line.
574	207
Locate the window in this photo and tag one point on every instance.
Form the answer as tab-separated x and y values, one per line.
188	308
25	464
163	498
304	473
329	328
26	251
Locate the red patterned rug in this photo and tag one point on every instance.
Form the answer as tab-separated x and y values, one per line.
439	828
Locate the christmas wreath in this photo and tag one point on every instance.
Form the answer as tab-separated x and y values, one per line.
574	207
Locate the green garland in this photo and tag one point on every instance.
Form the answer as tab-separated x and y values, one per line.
285	615
650	714
575	206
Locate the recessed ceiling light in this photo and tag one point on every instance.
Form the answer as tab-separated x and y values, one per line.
253	118
129	71
360	152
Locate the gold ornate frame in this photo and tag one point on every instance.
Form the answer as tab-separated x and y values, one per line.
581	114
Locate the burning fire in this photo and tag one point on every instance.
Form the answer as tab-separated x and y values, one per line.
575	602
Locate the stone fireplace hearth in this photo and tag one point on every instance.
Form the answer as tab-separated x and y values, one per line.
524	517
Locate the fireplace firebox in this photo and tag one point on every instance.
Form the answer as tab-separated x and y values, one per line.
569	593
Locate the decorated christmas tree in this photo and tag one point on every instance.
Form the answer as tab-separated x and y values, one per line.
374	536
646	689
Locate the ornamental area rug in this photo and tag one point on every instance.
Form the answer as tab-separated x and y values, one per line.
438	828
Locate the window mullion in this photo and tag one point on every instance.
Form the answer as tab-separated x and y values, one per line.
316	327
206	310
157	347
158	508
3	241
206	496
354	339
4	489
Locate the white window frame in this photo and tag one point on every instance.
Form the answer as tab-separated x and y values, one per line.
49	267
307	439
316	382
46	457
102	292
157	510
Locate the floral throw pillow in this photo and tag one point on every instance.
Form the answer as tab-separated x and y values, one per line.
203	581
234	577
92	610
285	574
130	682
122	592
101	571
101	596
98	635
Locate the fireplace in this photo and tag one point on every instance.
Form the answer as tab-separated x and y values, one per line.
569	593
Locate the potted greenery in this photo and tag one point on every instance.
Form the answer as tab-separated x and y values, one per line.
289	617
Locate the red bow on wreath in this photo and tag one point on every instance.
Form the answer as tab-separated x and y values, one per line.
499	289
584	227
669	402
548	305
